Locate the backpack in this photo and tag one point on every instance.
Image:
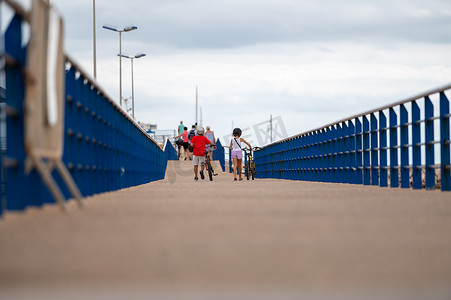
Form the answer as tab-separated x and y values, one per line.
191	134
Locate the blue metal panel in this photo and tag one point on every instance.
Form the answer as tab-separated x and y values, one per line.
394	174
16	195
445	142
416	146
404	148
218	154
383	173
169	151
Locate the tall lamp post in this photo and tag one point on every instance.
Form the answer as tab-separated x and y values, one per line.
133	93
94	36
126	29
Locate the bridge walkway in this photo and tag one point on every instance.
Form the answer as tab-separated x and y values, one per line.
181	239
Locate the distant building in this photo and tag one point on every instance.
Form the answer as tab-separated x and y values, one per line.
149	128
160	136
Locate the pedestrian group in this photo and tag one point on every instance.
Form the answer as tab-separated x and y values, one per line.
197	143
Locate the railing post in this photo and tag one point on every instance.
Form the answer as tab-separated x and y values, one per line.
328	157
383	149
244	164
374	151
294	160
405	170
416	146
345	151
266	169
429	142
366	152
291	158
307	158
320	153
314	166
394	176
445	142
230	161
70	115
300	162
333	149
358	179
339	154
16	195
352	152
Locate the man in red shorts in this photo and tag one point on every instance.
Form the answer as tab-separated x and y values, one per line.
198	143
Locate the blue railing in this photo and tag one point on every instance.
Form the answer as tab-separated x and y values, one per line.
219	154
103	143
410	148
104	149
169	151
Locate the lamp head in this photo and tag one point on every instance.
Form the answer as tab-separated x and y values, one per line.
110	27
140	55
130	28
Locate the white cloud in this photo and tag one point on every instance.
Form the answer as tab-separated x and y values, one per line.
311	62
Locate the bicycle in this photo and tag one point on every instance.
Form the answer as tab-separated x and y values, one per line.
250	164
179	143
208	166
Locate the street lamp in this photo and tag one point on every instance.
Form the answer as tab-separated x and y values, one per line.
133	93
126	29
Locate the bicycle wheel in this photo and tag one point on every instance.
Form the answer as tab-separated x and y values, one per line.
248	169
210	169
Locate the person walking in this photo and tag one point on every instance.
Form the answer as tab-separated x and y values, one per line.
210	135
237	154
198	143
184	136
192	133
181	128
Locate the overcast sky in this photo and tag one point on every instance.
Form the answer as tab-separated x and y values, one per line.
310	62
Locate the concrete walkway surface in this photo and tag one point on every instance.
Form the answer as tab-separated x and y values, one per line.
262	239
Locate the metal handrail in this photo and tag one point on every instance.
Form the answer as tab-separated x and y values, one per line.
373	145
94	83
404	101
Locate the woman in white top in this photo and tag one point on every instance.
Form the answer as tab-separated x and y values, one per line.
237	154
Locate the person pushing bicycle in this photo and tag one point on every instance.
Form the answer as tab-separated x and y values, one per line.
237	154
198	143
